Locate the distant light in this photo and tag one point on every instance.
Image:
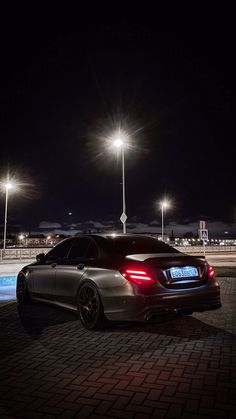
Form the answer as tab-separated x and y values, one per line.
69	213
48	237
113	234
21	237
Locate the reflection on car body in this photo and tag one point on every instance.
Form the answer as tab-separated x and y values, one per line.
123	277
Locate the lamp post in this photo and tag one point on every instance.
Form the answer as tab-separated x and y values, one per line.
164	204
118	143
7	186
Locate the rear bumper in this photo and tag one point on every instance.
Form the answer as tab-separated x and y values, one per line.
146	308
185	305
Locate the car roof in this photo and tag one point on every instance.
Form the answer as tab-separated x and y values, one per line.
113	236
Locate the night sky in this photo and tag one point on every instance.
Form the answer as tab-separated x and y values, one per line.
68	80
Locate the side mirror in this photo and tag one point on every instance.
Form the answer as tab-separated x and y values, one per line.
40	257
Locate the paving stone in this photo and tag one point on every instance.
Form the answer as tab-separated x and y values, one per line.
50	367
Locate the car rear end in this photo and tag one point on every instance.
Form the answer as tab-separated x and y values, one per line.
147	278
174	283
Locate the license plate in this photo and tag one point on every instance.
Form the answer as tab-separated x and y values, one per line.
185	272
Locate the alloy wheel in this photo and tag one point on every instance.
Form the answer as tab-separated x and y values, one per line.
22	293
20	290
89	306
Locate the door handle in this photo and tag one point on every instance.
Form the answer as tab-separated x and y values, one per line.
80	266
53	265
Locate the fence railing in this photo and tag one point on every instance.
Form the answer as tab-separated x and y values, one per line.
22	253
208	249
30	253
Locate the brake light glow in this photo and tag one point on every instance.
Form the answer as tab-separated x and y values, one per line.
138	276
211	272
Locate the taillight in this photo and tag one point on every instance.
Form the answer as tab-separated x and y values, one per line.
211	271
140	276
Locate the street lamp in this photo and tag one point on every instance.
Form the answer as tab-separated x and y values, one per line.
47	240
21	238
164	205
119	144
7	187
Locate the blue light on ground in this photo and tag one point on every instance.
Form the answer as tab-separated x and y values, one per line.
7	287
6	280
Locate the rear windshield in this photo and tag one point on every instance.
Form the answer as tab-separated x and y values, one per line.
134	245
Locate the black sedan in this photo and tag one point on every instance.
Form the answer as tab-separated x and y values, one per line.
119	277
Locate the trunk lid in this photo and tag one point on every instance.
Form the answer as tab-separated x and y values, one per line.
174	270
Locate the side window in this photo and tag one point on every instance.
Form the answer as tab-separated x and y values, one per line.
92	252
59	252
79	249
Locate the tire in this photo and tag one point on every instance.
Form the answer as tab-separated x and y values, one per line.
22	292
90	307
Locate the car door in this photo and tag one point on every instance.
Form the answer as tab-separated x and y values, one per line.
44	273
69	272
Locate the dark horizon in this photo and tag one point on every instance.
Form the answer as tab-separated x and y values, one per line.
65	86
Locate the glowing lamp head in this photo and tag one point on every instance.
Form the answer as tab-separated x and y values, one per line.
165	204
8	186
118	143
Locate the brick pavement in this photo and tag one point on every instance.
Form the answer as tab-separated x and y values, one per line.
50	367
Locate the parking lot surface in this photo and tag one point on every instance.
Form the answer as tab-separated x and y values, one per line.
184	367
